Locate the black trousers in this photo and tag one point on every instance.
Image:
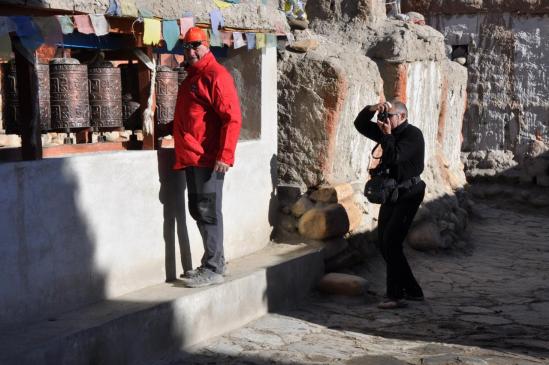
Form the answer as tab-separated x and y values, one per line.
205	193
394	222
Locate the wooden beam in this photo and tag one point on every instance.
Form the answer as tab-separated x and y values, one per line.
29	108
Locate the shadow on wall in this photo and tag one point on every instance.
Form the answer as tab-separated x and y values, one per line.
45	235
273	201
172	192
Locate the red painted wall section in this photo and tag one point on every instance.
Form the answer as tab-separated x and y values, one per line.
333	102
401	82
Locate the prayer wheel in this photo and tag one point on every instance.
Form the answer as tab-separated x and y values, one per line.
11	106
166	94
11	109
70	107
105	90
130	113
43	74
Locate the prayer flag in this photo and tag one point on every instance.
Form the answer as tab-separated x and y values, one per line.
226	38
215	39
271	40
260	40
67	27
83	24
185	24
216	19
250	39
114	8
100	24
152	31
222	4
238	40
170	33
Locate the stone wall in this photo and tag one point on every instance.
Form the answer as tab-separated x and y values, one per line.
502	43
321	92
475	6
507	103
248	14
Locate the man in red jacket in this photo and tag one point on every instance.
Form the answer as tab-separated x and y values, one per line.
206	127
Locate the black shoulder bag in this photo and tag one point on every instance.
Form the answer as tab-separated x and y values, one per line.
380	188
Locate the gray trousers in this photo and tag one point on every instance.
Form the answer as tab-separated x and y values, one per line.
205	191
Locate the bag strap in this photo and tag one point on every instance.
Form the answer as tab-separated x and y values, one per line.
373	150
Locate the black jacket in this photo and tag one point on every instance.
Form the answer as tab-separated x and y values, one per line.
403	149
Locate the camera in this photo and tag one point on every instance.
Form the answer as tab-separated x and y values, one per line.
383	116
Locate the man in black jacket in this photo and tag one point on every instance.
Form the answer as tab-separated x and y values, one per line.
403	156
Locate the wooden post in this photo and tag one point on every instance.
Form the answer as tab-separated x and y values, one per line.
144	81
29	108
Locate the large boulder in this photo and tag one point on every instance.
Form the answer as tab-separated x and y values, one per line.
319	95
340	11
398	42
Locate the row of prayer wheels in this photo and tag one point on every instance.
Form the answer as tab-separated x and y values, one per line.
73	96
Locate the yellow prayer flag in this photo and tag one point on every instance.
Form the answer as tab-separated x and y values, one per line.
222	4
153	31
260	40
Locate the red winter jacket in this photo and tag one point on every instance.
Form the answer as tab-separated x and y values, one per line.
207	117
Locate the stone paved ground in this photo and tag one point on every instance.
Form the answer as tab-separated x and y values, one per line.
489	305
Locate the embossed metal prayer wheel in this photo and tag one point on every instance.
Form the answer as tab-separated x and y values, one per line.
43	74
166	94
11	110
11	107
69	101
130	113
105	89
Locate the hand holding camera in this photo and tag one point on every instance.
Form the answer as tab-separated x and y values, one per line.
382	110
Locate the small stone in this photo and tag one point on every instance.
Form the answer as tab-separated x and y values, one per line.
300	24
461	60
288	223
304	45
343	284
334	247
330	221
332	194
452	359
425	236
302	205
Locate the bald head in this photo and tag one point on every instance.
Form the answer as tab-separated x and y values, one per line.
399	107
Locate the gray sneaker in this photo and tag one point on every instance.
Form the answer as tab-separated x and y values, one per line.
191	273
203	277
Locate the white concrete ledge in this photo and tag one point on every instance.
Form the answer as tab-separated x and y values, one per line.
142	326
